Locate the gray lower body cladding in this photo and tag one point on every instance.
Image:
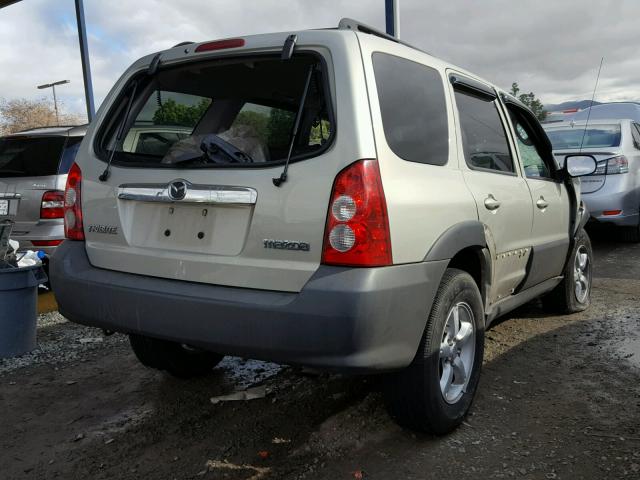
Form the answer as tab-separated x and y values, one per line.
351	319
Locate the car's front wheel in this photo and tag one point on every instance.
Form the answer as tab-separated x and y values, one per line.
434	393
177	359
573	294
631	234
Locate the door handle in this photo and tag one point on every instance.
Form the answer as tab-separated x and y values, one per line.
542	203
491	203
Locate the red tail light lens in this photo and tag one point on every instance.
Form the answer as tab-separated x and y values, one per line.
46	243
52	205
72	208
221	45
357	230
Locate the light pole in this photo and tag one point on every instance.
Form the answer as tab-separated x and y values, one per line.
84	53
55	100
392	17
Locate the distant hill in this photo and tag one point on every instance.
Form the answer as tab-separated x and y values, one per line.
579	104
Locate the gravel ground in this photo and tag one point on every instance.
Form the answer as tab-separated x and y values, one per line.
558	399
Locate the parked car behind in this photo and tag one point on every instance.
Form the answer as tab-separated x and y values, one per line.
33	173
606	111
612	192
406	222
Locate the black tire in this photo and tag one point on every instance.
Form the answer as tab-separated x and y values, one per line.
413	395
564	298
172	357
631	234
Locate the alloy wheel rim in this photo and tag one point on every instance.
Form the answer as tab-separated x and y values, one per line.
581	267
457	352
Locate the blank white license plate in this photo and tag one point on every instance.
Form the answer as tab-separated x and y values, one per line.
4	207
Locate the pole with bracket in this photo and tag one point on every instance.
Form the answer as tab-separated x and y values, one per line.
84	58
392	18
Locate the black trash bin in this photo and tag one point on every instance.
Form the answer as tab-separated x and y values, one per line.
19	309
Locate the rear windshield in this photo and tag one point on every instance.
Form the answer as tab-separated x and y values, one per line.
30	156
228	112
597	136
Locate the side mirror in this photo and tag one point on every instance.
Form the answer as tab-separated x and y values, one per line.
580	165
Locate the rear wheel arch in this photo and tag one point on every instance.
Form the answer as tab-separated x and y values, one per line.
476	261
465	246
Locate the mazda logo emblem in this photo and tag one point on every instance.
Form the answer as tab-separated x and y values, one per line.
177	190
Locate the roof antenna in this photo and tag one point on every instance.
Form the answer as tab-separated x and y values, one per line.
584	132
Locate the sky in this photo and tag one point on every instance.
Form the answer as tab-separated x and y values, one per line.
550	47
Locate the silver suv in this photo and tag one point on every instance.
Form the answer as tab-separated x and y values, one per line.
33	174
342	201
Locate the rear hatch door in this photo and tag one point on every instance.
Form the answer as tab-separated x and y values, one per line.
28	168
176	204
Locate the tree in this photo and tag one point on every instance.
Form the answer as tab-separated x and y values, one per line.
530	100
21	114
174	113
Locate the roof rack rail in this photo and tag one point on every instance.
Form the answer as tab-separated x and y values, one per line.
351	24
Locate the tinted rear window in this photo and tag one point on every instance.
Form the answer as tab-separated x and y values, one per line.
30	156
414	113
188	116
597	136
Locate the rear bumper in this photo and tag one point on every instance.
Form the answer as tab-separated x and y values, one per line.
44	230
615	195
353	319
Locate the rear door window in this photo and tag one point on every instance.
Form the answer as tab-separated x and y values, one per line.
483	135
193	115
30	156
413	109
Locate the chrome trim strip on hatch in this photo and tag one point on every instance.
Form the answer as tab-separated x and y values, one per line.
6	196
188	193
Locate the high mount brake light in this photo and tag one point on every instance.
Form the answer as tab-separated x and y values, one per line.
72	205
220	45
357	229
52	205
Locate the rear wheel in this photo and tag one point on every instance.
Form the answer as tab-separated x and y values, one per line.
573	294
174	358
435	392
631	234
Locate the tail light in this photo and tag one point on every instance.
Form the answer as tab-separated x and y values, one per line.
357	230
72	205
52	205
618	164
612	166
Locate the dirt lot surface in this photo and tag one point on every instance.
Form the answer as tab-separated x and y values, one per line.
559	398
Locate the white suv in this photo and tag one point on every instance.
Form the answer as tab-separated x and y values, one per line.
342	200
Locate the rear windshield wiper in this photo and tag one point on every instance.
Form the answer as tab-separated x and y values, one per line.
211	146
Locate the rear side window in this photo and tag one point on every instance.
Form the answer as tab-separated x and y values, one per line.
195	114
413	109
69	154
483	136
30	156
